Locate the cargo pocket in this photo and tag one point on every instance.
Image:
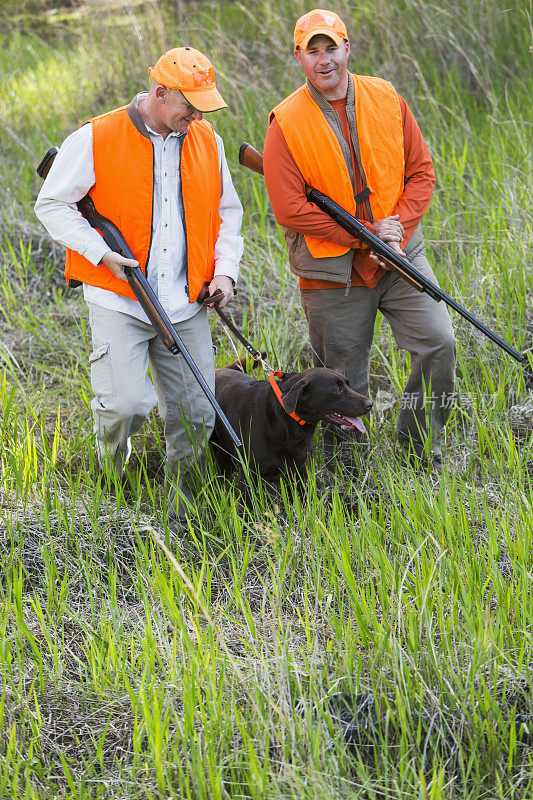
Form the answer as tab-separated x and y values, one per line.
102	381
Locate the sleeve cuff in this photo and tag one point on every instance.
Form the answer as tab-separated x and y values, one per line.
228	268
95	251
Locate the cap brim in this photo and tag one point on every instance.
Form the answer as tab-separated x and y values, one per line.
205	100
325	32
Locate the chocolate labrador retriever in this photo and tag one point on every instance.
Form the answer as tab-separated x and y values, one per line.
274	441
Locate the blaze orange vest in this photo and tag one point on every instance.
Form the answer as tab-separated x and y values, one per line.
123	189
318	156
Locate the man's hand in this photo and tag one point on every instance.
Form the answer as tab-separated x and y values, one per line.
225	285
390	229
379	260
116	263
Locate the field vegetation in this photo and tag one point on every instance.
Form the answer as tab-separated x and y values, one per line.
131	669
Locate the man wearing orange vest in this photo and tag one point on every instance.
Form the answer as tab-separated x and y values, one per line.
158	171
354	138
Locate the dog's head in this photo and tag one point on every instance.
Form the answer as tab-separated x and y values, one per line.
322	394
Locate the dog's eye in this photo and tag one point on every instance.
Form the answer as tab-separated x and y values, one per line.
340	387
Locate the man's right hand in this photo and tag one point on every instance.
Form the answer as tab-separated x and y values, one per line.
383	264
116	263
389	229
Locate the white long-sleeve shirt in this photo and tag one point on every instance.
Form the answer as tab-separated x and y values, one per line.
71	177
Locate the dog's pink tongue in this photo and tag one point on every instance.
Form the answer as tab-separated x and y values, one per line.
357	422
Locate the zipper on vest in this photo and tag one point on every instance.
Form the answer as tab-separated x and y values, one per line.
152	217
181	142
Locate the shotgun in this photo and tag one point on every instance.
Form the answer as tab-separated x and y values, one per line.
142	290
253	159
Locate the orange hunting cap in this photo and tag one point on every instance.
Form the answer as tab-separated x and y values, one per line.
319	21
188	70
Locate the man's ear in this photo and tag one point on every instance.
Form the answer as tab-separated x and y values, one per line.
290	399
161	93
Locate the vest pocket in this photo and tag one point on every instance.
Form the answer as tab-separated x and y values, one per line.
416	243
102	381
302	263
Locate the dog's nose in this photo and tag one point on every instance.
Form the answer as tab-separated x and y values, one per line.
368	405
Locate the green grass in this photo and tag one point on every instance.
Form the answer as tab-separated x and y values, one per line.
130	670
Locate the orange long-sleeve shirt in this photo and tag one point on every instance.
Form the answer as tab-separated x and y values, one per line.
292	209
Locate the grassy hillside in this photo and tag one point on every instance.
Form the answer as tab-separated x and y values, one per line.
128	670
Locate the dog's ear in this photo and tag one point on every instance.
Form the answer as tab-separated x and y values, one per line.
238	366
290	399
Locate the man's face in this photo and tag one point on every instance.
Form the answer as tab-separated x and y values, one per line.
176	112
324	63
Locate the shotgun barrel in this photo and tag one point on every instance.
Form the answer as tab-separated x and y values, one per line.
252	159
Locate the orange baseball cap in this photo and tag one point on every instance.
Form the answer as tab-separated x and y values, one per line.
319	21
191	72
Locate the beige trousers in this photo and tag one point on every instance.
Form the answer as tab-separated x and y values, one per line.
123	349
341	329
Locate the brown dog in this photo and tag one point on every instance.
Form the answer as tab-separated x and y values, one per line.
273	441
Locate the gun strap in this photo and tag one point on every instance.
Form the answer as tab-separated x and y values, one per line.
362	195
365	193
333	120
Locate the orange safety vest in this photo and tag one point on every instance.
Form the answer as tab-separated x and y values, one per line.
123	189
318	156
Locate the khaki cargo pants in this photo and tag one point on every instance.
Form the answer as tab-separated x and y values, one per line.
341	329
123	349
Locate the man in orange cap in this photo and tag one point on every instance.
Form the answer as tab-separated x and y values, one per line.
354	138
156	169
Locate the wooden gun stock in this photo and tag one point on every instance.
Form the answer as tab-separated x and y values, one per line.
44	167
253	159
152	311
